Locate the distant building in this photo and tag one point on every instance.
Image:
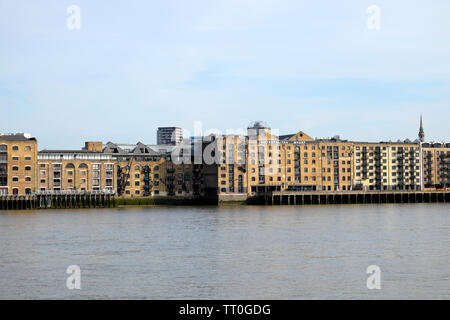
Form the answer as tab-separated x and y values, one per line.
169	135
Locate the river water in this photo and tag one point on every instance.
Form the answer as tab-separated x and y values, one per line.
228	252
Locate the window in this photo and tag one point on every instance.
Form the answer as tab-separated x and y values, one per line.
15	179
15	158
27	148
27	179
136	183
15	148
42	180
28	158
15	168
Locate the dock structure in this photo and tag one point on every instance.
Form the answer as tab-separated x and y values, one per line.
355	197
58	200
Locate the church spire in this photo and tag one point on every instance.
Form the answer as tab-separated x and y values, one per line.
421	131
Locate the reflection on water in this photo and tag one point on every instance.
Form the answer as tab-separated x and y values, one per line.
305	252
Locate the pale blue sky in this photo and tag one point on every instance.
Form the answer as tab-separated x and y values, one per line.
298	65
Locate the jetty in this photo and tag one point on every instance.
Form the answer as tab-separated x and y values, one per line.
59	200
352	197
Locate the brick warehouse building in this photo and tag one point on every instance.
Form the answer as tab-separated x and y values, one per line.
18	155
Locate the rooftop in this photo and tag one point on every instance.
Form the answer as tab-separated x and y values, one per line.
16	137
70	151
258	125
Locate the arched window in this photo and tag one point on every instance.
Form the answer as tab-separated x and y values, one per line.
15	191
136	167
70	166
27	191
83	166
27	168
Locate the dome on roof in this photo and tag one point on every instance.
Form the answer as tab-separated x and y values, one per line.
258	125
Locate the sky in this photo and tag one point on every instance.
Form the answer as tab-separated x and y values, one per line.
298	65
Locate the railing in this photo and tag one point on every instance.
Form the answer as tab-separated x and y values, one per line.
77	192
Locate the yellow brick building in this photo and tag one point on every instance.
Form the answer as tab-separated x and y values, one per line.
18	154
145	171
263	161
76	170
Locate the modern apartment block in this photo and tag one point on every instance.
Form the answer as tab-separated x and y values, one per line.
18	154
436	165
169	135
387	166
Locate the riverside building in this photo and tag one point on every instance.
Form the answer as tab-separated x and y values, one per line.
147	170
18	154
436	165
76	170
239	166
